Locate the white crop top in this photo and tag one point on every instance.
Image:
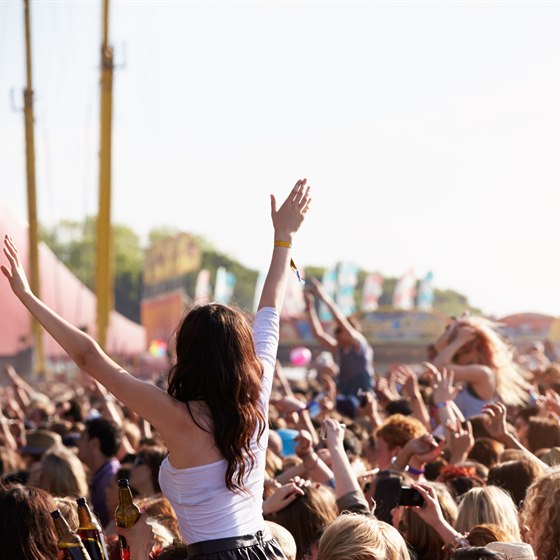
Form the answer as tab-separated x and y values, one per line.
205	508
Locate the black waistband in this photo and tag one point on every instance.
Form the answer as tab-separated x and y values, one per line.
230	543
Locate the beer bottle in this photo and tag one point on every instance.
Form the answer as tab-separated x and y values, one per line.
90	532
126	514
68	541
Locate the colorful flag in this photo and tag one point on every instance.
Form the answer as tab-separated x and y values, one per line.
405	290
426	293
203	290
347	280
225	284
373	288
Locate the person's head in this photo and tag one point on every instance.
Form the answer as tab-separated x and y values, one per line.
488	504
460	478
69	509
284	539
542	433
489	349
38	442
216	363
145	470
99	441
476	553
421	536
481	535
10	460
486	451
26	526
307	515
515	477
62	474
541	514
392	435
360	537
158	508
344	338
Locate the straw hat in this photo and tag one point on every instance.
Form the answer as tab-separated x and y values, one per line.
38	441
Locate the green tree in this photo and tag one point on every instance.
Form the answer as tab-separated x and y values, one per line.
74	244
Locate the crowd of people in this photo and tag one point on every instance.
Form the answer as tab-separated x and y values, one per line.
227	458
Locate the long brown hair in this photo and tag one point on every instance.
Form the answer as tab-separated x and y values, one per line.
26	527
217	364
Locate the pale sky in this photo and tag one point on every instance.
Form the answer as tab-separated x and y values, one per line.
429	131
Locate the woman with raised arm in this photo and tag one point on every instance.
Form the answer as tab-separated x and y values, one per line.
213	416
483	362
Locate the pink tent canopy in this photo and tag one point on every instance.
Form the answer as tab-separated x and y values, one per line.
63	292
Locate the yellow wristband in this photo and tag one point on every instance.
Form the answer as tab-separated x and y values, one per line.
286	244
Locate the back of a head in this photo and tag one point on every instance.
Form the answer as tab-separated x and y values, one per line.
284	539
26	526
542	433
488	504
515	477
63	474
476	553
399	429
360	537
217	364
481	535
108	434
308	514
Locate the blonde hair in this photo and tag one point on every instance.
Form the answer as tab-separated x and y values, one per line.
494	352
360	537
63	474
541	515
488	504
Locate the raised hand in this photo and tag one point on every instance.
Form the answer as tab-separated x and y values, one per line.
15	275
288	218
444	389
459	440
282	497
495	420
334	432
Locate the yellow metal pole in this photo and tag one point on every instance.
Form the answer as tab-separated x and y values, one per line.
39	361
104	268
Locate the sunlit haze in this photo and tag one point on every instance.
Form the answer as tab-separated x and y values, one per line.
429	131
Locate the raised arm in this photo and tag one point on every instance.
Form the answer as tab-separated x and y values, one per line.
339	317
286	221
150	402
326	340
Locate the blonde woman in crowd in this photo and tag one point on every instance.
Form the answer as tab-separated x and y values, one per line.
488	504
360	537
483	362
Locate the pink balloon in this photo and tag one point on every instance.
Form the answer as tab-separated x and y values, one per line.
300	356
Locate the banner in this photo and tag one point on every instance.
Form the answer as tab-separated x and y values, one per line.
225	284
425	299
405	290
203	290
373	288
347	280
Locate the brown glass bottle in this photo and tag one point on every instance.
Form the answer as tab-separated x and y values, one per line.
126	514
68	541
91	532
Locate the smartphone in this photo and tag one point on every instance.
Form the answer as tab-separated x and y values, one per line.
362	395
410	497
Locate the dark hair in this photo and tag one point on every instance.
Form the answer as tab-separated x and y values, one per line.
108	434
152	456
26	527
515	477
217	364
476	553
